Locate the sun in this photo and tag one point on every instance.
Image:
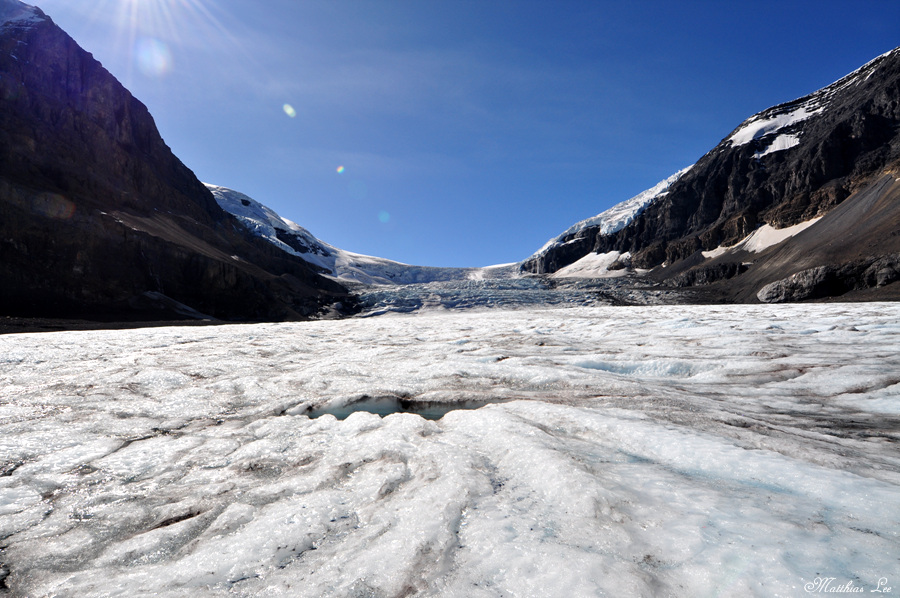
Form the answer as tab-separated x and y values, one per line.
162	16
151	32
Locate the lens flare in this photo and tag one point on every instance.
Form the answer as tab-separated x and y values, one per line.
340	170
384	217
53	205
153	57
289	110
147	34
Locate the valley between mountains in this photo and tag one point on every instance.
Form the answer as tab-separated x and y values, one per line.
695	392
101	221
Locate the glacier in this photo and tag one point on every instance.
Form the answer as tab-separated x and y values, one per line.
345	266
737	450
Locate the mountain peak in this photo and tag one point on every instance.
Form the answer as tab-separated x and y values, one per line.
776	128
13	11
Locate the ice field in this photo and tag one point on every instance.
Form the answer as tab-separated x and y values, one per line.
623	451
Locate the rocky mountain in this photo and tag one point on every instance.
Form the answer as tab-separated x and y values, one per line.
98	217
800	201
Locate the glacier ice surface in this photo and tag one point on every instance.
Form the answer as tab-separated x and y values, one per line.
627	451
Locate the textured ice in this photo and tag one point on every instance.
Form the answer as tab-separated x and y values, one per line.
510	293
624	451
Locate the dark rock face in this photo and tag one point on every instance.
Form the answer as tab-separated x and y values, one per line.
96	211
709	274
832	281
844	137
821	281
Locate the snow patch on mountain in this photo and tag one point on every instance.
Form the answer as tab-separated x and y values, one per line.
762	124
13	11
346	266
762	238
781	143
788	116
620	215
264	222
594	265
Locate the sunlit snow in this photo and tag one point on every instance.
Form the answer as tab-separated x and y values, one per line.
762	238
765	124
647	451
593	265
779	144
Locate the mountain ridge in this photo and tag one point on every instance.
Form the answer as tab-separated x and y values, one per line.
782	166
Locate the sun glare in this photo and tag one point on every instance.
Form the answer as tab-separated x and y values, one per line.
153	57
152	32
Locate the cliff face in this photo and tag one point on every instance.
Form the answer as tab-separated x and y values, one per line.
781	167
97	216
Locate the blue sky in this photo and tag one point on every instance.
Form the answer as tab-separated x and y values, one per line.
470	132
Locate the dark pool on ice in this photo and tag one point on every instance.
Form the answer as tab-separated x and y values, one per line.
383	406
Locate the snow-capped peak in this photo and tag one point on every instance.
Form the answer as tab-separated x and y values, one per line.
264	222
620	215
13	11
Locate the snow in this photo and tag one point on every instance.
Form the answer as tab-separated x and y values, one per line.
620	215
779	144
265	223
19	13
762	238
630	451
593	265
343	265
509	270
791	115
761	125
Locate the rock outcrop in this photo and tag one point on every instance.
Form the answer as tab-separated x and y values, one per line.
830	281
